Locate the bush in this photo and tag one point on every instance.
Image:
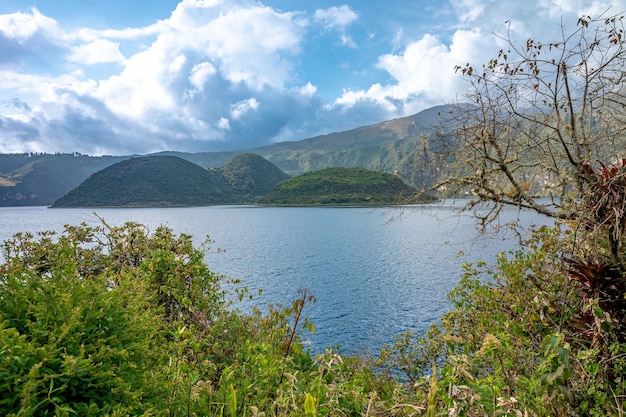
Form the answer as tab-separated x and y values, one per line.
80	334
112	321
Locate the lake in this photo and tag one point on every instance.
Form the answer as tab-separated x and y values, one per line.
375	272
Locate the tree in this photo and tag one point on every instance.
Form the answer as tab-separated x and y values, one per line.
543	332
536	121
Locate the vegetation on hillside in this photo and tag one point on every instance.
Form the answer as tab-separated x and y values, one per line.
40	179
251	176
149	181
389	146
158	181
339	186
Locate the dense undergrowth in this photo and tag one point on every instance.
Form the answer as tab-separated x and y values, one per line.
116	321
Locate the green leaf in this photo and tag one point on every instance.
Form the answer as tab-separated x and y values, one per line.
309	405
232	401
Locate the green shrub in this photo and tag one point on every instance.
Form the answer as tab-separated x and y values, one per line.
74	341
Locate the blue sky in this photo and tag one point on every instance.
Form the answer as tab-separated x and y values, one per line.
120	77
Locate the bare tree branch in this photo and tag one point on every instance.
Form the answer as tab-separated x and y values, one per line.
533	118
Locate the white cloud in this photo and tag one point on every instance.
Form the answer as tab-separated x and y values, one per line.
237	110
336	17
28	34
142	87
22	26
97	52
223	123
200	73
251	44
423	73
206	55
307	90
90	35
347	41
468	10
228	72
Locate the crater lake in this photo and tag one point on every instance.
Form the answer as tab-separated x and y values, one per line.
375	272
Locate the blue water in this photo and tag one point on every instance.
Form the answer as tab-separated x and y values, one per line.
374	272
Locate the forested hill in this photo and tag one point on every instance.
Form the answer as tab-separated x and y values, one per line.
250	175
339	186
150	181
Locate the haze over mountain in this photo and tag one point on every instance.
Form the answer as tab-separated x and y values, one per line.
40	179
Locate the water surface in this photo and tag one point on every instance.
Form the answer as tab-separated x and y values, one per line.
374	272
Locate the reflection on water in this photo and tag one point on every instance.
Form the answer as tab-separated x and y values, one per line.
374	272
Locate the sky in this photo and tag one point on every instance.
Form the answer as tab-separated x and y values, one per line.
120	77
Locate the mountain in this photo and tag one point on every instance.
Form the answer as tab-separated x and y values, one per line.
39	179
391	146
388	146
165	181
250	175
339	186
148	182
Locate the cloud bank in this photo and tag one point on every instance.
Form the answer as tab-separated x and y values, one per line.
229	75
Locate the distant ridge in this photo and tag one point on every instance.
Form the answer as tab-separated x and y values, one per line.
40	179
388	146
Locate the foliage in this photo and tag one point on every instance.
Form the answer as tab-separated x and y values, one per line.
528	336
339	186
542	331
251	175
78	329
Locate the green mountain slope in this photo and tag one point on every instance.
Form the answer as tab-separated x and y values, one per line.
388	146
150	181
40	179
339	186
250	175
